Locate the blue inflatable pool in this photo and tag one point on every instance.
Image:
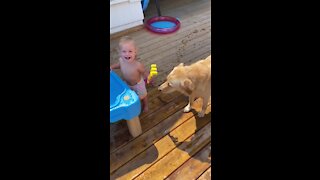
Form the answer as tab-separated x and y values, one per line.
124	103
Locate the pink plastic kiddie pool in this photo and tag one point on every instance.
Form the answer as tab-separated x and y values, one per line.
161	24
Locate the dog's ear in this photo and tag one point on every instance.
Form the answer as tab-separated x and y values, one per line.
187	85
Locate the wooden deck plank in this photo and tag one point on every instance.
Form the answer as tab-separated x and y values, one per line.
165	166
119	131
187	45
119	134
136	146
180	53
206	175
142	44
164	112
177	55
196	36
151	120
159	100
125	32
168	110
195	166
160	148
186	26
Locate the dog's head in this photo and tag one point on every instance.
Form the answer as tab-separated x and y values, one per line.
177	80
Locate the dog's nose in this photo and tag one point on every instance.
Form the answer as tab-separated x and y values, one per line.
159	89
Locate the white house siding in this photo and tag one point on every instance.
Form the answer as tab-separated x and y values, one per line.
125	14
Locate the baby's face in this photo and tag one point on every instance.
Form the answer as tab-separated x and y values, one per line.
128	52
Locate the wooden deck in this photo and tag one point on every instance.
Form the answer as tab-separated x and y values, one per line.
173	145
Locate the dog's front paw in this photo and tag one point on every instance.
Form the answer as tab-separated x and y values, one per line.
201	114
187	109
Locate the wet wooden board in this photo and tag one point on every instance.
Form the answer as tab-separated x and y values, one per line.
136	146
161	148
206	175
154	118
119	133
159	101
190	40
195	166
175	158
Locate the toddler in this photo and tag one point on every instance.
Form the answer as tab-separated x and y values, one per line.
132	70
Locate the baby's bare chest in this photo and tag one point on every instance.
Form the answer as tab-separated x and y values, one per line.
130	70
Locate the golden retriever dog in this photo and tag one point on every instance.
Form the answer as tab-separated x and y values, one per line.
193	81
